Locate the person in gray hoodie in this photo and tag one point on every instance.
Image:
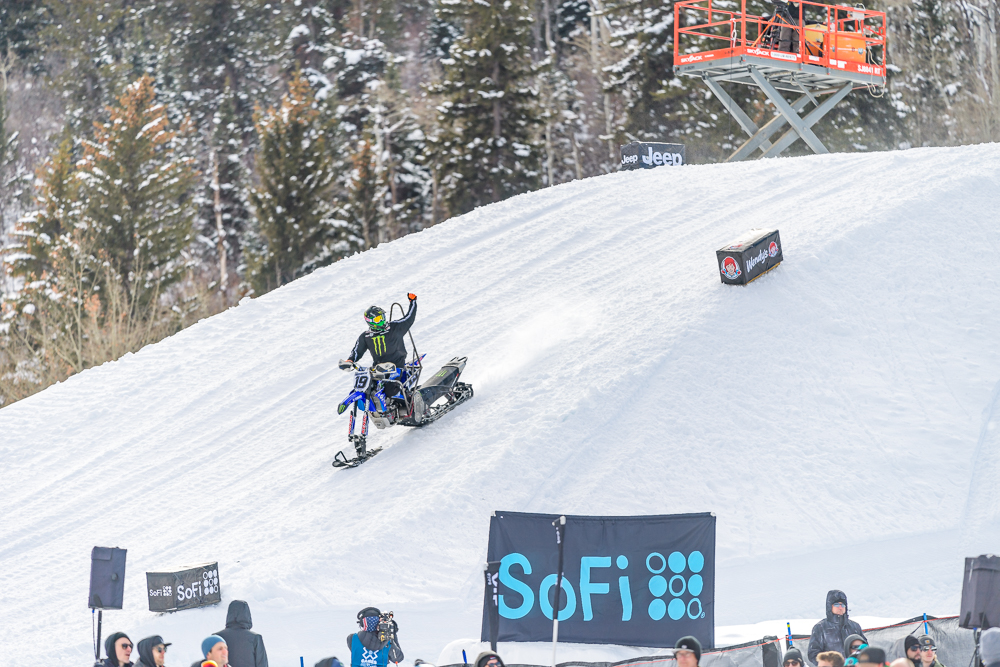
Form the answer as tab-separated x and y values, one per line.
246	649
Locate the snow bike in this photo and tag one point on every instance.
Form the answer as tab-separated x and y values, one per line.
413	405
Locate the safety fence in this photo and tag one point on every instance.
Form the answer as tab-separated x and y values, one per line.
955	647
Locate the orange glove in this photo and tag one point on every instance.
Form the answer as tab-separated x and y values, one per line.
411	296
209	663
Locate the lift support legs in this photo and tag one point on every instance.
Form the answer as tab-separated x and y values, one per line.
788	114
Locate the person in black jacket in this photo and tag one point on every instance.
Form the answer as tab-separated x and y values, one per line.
830	633
118	648
385	341
246	649
793	658
152	652
911	647
788	37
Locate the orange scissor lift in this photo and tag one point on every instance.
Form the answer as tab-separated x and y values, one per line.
839	48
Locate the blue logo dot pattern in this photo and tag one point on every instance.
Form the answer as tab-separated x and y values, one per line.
677	586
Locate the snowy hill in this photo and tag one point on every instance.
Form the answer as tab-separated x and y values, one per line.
832	414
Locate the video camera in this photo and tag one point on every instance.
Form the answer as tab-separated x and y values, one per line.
387	628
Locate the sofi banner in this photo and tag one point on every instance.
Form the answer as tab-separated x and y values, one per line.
632	580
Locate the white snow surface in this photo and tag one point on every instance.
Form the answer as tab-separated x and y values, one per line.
839	415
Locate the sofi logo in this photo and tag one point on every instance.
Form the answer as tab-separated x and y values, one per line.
675	582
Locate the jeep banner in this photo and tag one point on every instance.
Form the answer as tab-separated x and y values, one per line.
639	155
630	580
185	588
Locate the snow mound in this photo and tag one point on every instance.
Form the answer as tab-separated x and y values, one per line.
831	414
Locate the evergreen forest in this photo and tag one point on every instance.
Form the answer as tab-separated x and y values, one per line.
160	160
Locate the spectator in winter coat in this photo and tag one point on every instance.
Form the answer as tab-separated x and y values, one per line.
912	647
793	658
989	647
871	657
830	659
152	652
928	652
852	645
214	648
687	652
246	649
118	648
830	633
488	659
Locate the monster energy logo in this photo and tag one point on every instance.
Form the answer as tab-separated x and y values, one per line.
379	342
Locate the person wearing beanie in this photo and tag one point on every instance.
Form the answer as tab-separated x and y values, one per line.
214	648
831	632
928	652
793	658
246	648
687	651
871	655
989	647
118	648
911	646
853	644
152	652
488	659
366	642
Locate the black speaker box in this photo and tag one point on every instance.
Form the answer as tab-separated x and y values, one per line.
981	593
107	578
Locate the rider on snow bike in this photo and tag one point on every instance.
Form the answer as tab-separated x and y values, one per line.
387	393
384	340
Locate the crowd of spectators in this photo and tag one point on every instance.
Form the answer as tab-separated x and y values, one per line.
233	646
836	641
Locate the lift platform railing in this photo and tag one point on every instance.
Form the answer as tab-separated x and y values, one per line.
838	37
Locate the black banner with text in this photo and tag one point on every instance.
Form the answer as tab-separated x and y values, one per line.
634	580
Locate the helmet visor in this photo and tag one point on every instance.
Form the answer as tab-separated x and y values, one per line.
376	321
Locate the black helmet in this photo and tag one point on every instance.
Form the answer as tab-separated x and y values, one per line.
375	317
367	612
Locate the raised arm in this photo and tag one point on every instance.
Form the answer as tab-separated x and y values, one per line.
404	323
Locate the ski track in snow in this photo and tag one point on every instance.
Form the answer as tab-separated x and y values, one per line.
838	415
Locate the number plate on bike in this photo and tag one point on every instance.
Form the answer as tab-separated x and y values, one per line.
361	380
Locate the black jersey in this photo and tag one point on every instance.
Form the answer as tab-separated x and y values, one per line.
386	345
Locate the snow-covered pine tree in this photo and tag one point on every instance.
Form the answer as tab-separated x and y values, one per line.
489	147
295	173
98	48
57	201
924	46
375	124
225	47
224	211
137	182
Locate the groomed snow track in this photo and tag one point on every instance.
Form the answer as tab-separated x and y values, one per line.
828	413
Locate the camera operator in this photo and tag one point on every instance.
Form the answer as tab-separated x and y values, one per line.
376	644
